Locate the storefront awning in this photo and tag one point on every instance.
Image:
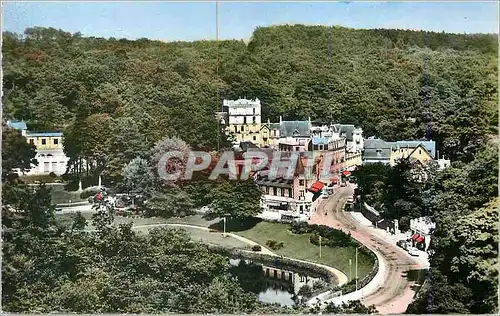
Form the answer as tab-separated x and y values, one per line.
317	186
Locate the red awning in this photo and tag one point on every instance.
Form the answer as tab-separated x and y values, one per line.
415	236
346	173
419	239
318	185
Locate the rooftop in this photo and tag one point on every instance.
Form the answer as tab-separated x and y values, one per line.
44	134
295	129
17	125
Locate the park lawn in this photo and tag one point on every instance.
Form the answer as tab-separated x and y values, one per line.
299	247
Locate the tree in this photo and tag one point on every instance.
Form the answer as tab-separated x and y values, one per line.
238	199
137	176
351	307
16	152
173	164
305	291
172	202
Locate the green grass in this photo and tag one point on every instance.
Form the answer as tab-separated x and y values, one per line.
299	247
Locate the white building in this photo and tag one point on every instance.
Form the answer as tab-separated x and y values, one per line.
49	150
421	230
243	111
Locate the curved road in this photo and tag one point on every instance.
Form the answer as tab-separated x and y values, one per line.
396	293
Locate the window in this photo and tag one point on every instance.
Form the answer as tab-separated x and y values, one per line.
46	166
315	147
267	190
56	141
32	141
301	182
290	193
320	147
242	128
44	141
236	129
420	151
255	138
244	119
253	119
282	192
296	148
275	191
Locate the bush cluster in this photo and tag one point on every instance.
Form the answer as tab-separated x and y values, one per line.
274	245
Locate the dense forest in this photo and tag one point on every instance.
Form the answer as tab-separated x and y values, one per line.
114	99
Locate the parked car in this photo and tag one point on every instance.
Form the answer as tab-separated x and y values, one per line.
413	251
402	243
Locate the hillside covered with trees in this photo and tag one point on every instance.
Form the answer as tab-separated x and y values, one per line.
114	99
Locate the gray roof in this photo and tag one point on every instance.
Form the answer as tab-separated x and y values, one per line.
247	145
345	130
274	125
376	149
295	129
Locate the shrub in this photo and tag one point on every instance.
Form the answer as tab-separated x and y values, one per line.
274	245
305	291
319	285
52	175
256	248
271	243
88	192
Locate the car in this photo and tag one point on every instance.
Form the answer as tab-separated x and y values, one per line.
402	243
413	251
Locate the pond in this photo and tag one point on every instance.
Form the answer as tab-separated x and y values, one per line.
275	285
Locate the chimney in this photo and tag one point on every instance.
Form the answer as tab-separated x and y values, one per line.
268	121
281	119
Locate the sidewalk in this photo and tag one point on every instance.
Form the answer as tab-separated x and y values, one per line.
423	257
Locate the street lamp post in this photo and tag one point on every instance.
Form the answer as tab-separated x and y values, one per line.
357	267
224	226
350	269
320	246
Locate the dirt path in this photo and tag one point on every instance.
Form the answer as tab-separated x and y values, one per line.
396	293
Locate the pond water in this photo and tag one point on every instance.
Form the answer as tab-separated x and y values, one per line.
272	284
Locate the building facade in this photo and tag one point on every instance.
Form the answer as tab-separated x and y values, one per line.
419	150
286	199
49	150
244	120
421	230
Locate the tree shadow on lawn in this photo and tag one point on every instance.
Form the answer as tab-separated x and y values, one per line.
236	224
